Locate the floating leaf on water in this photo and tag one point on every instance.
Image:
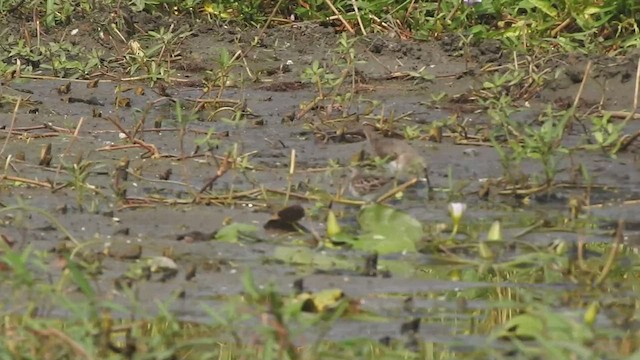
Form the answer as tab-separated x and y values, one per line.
545	324
233	232
524	327
400	267
306	256
323	300
387	230
327	298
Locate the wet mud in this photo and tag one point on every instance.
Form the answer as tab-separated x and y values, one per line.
142	215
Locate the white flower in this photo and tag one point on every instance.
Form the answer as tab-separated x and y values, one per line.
456	210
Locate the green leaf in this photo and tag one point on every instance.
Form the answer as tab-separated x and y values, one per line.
233	232
249	285
400	268
333	227
545	324
387	230
495	232
546	7
79	278
306	256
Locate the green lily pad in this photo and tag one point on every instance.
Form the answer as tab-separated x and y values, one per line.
233	232
400	268
387	230
306	256
545	325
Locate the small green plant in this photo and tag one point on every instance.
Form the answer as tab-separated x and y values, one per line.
411	132
61	59
237	119
545	142
208	142
525	141
606	134
183	120
79	173
222	77
155	52
318	76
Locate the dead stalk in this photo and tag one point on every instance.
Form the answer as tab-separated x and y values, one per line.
612	254
222	169
151	149
55	333
396	190
13	121
355	7
292	170
337	14
626	141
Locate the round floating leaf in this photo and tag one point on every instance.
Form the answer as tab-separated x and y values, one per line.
309	257
545	324
327	298
233	232
525	327
387	230
402	267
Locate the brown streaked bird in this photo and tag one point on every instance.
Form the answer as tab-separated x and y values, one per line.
404	159
368	186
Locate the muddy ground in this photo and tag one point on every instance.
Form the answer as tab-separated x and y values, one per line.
155	211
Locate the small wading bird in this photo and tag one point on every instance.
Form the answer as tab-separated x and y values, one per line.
368	186
404	159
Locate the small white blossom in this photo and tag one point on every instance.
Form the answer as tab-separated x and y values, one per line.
457	209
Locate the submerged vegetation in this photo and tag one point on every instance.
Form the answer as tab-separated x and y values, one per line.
158	125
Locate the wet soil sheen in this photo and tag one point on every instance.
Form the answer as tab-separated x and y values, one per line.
131	213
